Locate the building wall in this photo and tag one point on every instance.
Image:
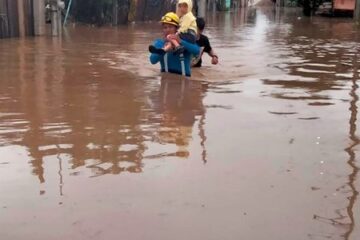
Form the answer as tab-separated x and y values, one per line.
344	4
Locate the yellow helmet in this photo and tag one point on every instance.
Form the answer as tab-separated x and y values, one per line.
171	18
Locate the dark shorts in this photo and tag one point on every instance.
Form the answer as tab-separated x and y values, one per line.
189	36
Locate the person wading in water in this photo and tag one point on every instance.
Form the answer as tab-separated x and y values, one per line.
204	44
172	62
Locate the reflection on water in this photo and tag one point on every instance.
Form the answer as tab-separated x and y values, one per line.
91	106
354	191
106	126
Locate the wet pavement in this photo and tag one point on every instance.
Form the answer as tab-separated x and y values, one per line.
96	144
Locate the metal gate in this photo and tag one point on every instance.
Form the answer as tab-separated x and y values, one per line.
16	18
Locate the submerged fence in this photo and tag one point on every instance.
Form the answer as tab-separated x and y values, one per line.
27	17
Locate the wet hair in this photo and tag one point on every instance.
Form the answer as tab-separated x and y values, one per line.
200	23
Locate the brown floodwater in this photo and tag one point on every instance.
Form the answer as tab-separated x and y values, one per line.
95	143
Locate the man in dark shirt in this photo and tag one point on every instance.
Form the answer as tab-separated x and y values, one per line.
204	44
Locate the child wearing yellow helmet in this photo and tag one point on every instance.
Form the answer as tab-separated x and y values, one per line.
187	28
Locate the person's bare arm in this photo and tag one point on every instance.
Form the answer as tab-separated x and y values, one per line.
214	57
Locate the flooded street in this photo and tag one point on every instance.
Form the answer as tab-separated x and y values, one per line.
95	143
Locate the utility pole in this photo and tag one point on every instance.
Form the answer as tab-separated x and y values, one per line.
54	18
357	11
56	22
277	10
115	12
278	3
202	8
20	5
212	5
39	17
60	6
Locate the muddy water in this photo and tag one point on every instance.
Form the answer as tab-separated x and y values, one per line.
96	144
